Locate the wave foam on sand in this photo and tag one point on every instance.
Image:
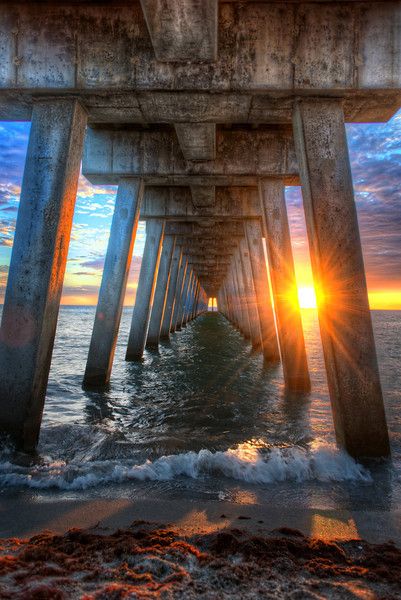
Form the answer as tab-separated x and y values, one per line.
252	465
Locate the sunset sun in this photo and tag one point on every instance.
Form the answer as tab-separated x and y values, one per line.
307	297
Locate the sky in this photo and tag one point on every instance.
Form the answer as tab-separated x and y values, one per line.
375	153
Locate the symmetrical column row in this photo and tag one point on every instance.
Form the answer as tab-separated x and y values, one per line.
169	291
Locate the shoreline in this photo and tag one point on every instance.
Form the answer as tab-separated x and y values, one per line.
24	515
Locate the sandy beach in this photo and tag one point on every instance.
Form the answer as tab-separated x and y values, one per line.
118	548
196	558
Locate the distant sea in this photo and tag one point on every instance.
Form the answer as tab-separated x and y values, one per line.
204	418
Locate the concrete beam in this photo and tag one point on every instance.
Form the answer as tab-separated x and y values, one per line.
105	57
184	31
241	157
203	196
197	140
175	203
224	229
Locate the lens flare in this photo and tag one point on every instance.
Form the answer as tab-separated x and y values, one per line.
307	297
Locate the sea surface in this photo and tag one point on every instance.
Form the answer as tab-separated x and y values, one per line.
204	418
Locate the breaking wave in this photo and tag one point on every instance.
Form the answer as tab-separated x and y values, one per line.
321	463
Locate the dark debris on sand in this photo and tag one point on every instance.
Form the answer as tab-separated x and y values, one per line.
152	561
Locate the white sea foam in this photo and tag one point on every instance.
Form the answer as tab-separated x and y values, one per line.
321	463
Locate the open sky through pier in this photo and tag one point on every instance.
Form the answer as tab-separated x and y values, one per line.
375	152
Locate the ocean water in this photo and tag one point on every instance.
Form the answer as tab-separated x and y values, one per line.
204	418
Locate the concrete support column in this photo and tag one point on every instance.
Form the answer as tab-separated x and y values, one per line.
184	298
37	266
114	282
337	261
146	289
191	298
196	302
234	297
160	298
284	286
180	285
187	301
243	309
168	312
250	297
253	230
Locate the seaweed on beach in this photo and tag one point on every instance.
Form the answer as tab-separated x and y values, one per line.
153	561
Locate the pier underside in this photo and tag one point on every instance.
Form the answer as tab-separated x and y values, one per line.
201	113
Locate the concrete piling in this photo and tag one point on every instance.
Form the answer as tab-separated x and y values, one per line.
179	292
284	286
145	290
162	286
170	301
38	264
253	231
338	269
114	282
250	296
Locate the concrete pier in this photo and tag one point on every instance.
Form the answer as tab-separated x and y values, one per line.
38	263
337	261
145	290
114	282
170	301
253	231
159	302
197	99
284	286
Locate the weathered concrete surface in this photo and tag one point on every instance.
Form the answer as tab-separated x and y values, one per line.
284	286
184	31
253	231
250	295
184	297
145	290
268	52
37	266
178	293
245	325
241	156
114	281
159	302
176	203
197	140
203	197
168	312
344	315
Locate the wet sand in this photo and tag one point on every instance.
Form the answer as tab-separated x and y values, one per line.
27	514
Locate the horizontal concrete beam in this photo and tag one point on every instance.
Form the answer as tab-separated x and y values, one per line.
184	31
197	140
223	229
175	203
350	49
241	157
